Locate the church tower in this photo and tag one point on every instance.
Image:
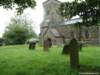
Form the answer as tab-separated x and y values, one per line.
51	16
51	9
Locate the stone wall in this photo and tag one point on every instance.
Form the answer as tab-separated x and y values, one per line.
89	35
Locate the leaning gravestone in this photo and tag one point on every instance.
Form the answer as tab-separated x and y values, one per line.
74	53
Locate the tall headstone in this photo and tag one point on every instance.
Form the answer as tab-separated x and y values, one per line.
74	53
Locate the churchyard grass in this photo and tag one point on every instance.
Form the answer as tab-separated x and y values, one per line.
19	60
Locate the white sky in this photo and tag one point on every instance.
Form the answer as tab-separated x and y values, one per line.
36	15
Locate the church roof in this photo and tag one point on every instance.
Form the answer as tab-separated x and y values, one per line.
61	30
55	32
72	21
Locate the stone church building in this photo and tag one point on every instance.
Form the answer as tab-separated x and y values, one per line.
60	30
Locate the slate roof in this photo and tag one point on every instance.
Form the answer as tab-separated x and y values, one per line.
55	32
72	21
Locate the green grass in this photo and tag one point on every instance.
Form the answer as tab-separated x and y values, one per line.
19	60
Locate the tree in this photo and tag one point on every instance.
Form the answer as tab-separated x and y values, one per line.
18	31
89	12
21	4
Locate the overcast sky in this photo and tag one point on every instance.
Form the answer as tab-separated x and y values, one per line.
36	15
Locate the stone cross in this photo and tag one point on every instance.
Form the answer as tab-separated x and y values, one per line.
74	53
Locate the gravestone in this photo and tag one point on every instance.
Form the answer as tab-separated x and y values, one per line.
74	53
50	42
32	45
46	45
65	49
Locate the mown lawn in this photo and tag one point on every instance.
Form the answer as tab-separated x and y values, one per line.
19	60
